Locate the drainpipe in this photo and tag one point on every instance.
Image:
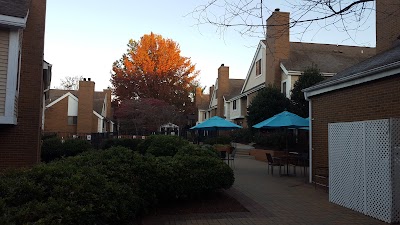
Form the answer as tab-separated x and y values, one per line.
310	150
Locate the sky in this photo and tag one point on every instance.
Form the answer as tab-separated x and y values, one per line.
84	38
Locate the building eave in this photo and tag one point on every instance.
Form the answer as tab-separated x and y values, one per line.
355	79
61	98
13	22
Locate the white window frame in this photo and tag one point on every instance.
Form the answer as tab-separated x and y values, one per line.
13	73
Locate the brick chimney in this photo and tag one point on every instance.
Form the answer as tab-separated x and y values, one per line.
387	24
85	106
278	45
108	102
223	88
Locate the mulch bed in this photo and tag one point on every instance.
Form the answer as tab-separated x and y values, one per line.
218	202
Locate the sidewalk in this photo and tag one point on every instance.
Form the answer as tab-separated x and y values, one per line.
274	200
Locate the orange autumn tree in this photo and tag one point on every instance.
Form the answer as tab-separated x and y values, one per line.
154	68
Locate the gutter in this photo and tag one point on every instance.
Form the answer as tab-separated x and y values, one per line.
377	70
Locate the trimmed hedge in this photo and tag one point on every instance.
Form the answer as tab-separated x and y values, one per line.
162	145
108	186
124	142
224	140
54	148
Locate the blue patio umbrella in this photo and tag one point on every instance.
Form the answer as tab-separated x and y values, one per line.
216	123
285	120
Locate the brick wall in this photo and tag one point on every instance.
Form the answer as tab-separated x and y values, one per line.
370	101
387	24
56	118
278	46
20	144
108	106
85	106
223	88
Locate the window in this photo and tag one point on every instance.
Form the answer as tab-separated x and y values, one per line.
258	67
234	105
72	120
284	88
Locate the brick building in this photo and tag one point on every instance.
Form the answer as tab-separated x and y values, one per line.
279	62
79	112
369	90
223	89
22	81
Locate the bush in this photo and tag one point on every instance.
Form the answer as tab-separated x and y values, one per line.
218	140
274	140
93	188
53	148
108	186
162	145
244	135
195	150
124	142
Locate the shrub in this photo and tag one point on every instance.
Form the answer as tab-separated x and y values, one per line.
244	135
162	145
124	142
53	148
218	140
195	150
108	186
92	188
196	175
274	140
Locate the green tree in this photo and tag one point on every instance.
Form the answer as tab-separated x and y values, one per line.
310	76
267	103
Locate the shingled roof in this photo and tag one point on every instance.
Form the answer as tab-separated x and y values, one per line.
386	60
328	58
236	86
98	98
14	8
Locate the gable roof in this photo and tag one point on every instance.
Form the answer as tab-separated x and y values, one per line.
386	63
261	44
58	94
328	58
14	8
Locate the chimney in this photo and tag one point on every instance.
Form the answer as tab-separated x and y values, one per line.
211	90
387	24
223	88
85	107
108	102
198	94
278	45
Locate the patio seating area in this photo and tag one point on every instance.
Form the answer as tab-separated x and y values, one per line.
272	200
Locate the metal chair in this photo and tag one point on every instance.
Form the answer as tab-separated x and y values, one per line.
232	157
272	162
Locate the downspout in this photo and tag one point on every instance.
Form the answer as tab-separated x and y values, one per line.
310	150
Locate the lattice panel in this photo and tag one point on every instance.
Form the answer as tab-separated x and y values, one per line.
395	142
364	167
346	165
377	170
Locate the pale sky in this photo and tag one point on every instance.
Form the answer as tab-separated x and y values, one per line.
84	38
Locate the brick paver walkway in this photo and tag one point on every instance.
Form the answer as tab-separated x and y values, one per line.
273	200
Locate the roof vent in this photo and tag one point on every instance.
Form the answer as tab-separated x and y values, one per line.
277	9
89	79
84	79
222	64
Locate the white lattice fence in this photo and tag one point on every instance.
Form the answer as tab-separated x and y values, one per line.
363	166
395	139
